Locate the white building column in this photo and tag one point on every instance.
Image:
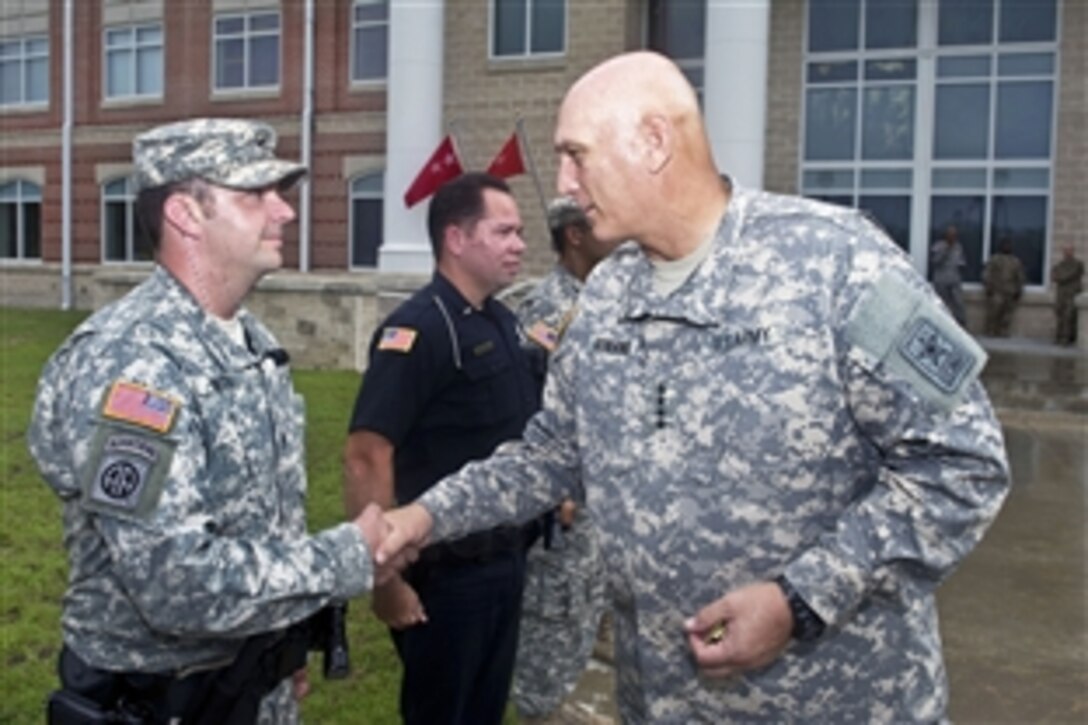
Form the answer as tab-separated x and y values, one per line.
735	85
413	129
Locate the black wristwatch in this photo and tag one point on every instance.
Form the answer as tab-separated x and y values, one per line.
807	625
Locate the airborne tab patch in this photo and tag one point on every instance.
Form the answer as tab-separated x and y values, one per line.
397	339
133	403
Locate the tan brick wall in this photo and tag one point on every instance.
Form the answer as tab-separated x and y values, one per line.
782	150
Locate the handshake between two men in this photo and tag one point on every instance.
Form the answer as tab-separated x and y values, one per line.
394	538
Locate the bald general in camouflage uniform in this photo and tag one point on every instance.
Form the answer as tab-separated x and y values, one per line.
786	448
168	426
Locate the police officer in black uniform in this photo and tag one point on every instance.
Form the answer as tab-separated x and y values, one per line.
448	382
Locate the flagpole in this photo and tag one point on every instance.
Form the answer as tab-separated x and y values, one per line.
451	126
519	126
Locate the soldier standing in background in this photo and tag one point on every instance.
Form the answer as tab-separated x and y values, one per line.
1003	280
947	261
1067	276
169	427
564	585
778	429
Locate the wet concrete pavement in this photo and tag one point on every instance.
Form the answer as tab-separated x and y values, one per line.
1013	618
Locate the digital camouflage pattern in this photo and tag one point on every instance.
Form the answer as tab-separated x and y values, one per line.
1003	280
564	596
181	543
230	152
802	405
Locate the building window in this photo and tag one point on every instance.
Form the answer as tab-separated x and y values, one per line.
370	40
20	220
134	61
24	71
247	51
528	27
677	29
122	238
973	147
365	218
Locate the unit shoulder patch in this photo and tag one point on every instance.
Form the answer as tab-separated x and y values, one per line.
397	339
911	336
126	472
133	403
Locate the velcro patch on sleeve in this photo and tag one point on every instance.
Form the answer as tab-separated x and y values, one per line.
126	472
133	403
397	339
544	335
912	336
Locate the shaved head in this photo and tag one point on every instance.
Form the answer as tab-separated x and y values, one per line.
634	154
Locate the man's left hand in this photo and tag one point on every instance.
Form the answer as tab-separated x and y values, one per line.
746	629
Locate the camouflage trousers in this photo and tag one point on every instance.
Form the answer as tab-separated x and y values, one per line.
561	610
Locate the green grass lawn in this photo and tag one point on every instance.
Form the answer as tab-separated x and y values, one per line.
33	567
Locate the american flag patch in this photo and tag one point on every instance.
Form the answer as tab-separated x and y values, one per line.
142	406
399	339
544	335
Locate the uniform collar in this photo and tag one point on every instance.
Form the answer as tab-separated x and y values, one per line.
456	302
687	302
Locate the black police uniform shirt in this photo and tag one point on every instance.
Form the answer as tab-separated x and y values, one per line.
446	384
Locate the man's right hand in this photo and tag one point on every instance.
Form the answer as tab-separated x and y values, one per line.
408	529
397	605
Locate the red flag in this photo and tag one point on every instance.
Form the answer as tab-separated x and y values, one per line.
509	161
440	168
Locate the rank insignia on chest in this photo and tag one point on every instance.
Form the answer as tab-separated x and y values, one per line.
133	403
544	335
397	339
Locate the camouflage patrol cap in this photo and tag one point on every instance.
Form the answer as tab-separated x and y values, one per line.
237	153
564	211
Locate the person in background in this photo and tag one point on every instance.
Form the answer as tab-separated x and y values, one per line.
564	584
1067	276
448	382
947	262
777	427
168	426
1003	280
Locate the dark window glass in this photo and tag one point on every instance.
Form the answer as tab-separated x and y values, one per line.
366	232
264	60
9	230
1023	220
678	28
892	213
962	128
1023	120
509	27
965	22
830	124
32	230
1029	21
116	230
547	26
833	24
891	24
888	123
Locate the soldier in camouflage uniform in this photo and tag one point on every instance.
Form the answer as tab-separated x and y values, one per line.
777	427
1067	276
1003	280
168	426
564	584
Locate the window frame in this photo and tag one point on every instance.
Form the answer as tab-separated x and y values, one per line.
132	229
925	188
527	52
20	202
246	35
134	47
357	25
365	196
24	58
